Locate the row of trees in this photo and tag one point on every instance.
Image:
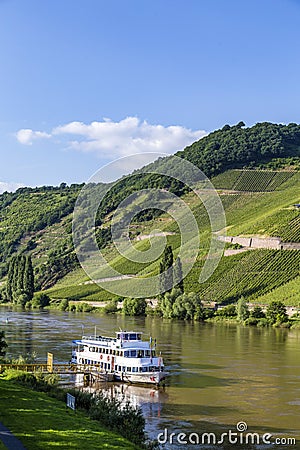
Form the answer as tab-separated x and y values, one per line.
275	314
20	280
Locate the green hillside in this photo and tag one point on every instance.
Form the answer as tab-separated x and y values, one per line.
259	192
39	221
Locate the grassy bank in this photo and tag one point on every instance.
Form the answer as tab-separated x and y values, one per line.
42	422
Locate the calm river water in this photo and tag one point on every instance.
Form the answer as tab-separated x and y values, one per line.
220	375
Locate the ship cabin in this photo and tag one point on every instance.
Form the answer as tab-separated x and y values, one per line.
93	349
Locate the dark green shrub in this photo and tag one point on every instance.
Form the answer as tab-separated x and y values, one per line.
276	313
251	321
257	313
64	305
134	306
227	311
40	300
111	307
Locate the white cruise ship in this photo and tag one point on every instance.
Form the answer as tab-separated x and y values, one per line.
126	356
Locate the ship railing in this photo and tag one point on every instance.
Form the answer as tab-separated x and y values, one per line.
99	338
55	368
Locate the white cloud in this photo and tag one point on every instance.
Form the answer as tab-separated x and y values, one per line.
117	139
26	136
9	186
127	137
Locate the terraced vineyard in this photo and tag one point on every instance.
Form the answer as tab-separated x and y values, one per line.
287	293
251	180
226	180
251	274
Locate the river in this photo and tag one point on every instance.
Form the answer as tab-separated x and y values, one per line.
220	374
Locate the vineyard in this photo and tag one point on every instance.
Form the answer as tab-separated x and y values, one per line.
250	274
251	180
226	180
288	294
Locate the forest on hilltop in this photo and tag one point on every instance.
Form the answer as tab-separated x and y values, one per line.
236	146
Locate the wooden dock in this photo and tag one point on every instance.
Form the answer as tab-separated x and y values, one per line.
92	373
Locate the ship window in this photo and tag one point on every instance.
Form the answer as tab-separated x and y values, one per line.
140	354
144	369
132	337
110	351
126	336
126	354
108	366
119	368
147	353
128	369
152	353
114	352
134	369
133	353
138	336
123	368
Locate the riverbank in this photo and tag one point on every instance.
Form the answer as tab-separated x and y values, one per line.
41	422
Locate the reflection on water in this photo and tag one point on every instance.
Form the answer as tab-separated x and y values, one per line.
149	399
220	374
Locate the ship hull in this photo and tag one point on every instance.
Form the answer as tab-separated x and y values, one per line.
155	378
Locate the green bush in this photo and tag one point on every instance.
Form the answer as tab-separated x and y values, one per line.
251	321
134	306
83	307
111	307
228	311
276	313
242	309
257	313
63	305
263	322
40	300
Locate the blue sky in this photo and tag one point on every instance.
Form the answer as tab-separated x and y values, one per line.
93	80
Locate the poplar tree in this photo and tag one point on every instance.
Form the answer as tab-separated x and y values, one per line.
178	277
20	279
166	270
28	278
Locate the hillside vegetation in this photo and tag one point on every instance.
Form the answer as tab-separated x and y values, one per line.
236	147
256	173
